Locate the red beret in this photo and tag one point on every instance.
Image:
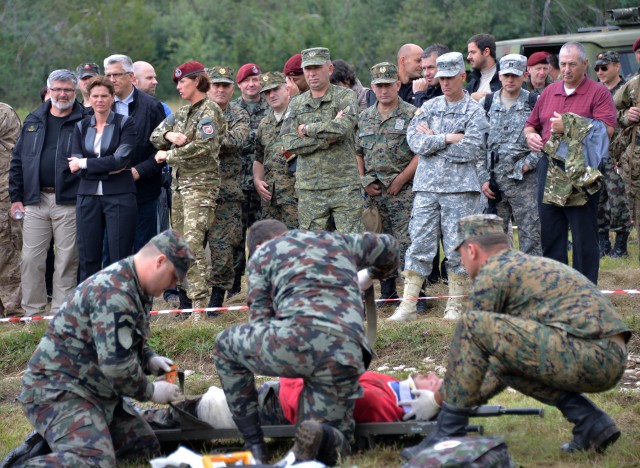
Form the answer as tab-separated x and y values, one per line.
636	45
247	70
537	57
187	69
293	65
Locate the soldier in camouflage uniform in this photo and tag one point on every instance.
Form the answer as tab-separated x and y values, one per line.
535	325
189	141
10	229
303	323
96	352
272	175
319	129
385	161
514	163
225	235
448	133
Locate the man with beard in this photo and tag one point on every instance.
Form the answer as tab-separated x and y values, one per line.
481	56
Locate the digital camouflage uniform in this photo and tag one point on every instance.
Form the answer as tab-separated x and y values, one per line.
382	143
305	320
283	205
225	235
10	230
327	179
447	180
519	191
535	325
196	182
94	352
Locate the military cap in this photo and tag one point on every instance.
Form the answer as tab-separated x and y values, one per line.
220	74
315	56
538	57
293	66
175	248
271	80
187	69
479	225
450	64
247	70
384	72
87	69
514	64
605	58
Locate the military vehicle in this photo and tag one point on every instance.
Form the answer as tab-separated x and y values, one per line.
621	31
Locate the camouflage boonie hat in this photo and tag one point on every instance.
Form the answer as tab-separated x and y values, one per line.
513	64
449	64
87	69
220	74
175	248
315	56
604	58
271	80
384	72
478	226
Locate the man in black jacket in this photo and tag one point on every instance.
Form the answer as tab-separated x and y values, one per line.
147	113
43	190
484	77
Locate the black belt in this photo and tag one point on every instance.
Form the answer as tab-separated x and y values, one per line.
48	189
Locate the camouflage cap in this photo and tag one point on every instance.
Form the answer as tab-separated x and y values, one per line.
175	248
450	64
315	56
513	64
87	69
271	80
478	226
607	57
384	72
220	74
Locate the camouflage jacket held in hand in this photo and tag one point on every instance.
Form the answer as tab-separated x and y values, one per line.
629	161
9	133
234	140
326	158
256	112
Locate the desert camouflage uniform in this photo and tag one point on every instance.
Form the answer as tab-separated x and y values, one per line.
225	235
327	179
305	320
10	230
196	182
382	143
283	205
94	353
447	181
535	325
511	153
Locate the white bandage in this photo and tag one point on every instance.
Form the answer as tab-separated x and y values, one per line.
364	280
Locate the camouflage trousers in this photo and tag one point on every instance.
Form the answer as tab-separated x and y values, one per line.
613	207
83	434
519	198
436	215
193	221
224	237
395	213
330	366
10	258
285	210
315	208
491	351
251	212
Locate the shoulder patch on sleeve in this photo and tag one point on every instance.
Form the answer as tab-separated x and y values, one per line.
125	328
207	128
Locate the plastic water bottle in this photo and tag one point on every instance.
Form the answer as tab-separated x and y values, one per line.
18	215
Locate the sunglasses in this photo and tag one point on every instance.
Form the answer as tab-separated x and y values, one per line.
601	67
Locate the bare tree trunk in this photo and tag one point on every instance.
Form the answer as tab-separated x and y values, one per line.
545	16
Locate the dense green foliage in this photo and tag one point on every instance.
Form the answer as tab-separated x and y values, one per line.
39	36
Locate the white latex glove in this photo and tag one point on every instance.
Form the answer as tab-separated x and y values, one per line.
164	392
364	280
158	363
423	407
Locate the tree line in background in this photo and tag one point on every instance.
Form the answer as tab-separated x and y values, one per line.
39	36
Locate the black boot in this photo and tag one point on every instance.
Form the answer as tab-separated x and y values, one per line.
33	446
604	243
321	442
620	245
452	422
185	302
421	306
388	288
593	428
443	271
249	427
216	299
235	288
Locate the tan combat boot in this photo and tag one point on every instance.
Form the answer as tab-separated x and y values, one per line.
458	286
407	309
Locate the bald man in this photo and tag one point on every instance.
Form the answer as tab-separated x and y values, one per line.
145	80
409	60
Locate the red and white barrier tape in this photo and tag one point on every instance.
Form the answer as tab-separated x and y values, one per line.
232	308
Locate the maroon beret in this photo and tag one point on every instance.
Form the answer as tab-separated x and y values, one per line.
636	45
293	65
187	69
537	57
247	70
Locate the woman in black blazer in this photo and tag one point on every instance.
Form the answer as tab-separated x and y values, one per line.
102	145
